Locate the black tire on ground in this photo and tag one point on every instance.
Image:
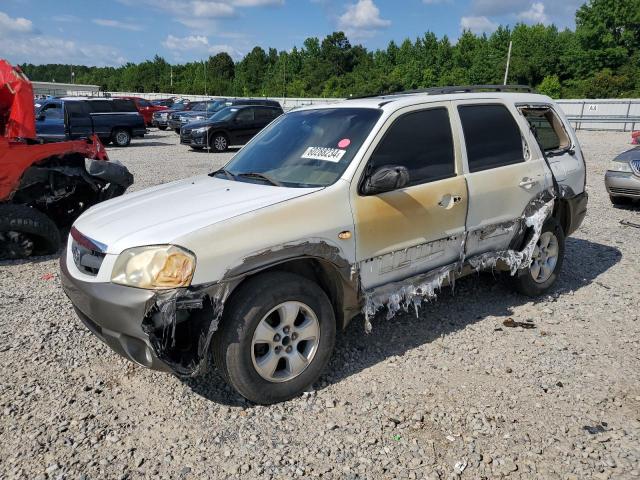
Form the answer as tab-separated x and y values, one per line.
162	127
25	231
232	343
620	200
218	142
177	130
121	137
195	147
524	281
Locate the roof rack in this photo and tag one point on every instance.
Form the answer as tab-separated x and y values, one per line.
454	89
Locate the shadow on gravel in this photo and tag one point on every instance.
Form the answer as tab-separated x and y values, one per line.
473	299
144	143
228	150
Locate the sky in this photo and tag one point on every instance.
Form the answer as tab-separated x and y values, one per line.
114	32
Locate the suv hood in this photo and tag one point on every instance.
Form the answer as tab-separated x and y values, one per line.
203	123
160	214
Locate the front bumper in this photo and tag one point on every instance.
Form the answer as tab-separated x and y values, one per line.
174	124
114	314
195	140
622	184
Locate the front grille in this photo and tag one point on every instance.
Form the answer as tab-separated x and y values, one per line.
635	166
87	254
175	116
185	137
625	191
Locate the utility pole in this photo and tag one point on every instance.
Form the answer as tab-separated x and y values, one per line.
284	80
171	76
72	74
205	77
506	72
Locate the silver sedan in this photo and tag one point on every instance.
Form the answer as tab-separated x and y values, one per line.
623	177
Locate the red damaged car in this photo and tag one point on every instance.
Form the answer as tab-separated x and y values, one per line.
146	108
44	186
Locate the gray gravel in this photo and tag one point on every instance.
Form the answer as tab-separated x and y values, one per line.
452	393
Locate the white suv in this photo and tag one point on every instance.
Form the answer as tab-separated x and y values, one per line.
330	212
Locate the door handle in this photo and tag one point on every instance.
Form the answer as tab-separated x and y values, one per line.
449	200
527	183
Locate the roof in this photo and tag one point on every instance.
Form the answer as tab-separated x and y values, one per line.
394	102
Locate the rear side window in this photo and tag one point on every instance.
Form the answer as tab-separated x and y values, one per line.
124	105
420	141
77	109
265	114
100	106
547	128
492	136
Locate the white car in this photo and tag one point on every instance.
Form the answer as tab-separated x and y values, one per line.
330	212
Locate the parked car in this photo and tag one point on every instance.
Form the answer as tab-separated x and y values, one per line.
202	112
622	178
161	119
146	108
329	212
113	120
163	102
229	126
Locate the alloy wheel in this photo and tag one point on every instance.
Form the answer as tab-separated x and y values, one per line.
545	257
285	341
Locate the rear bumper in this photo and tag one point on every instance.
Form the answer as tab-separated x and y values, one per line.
622	184
174	124
114	314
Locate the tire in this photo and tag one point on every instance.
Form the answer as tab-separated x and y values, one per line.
525	280
237	354
177	130
219	142
197	149
25	231
620	200
121	137
162	127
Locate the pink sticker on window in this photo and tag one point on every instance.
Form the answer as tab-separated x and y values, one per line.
344	143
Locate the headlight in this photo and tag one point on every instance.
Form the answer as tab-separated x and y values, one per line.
200	130
155	267
619	167
199	117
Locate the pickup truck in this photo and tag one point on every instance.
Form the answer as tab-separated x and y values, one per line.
113	120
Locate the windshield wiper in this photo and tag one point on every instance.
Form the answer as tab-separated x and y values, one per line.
261	176
229	175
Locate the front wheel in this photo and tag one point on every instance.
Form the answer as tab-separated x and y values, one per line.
162	127
276	337
121	137
219	142
546	261
25	231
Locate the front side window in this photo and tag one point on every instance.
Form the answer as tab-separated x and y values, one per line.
306	148
492	137
245	115
421	142
52	110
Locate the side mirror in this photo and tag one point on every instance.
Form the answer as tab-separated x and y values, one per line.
386	179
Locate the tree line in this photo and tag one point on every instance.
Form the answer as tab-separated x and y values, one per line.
599	59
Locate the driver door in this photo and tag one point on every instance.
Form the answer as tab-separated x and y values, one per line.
419	227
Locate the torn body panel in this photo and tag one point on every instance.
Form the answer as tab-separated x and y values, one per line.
412	291
180	323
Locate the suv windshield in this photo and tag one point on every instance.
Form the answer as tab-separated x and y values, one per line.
308	148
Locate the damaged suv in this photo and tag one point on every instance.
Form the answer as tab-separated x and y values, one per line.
330	212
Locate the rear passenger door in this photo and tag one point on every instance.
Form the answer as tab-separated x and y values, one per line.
420	227
79	122
503	175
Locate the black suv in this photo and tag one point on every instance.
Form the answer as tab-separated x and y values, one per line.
234	125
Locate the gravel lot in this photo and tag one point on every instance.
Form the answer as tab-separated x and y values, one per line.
452	393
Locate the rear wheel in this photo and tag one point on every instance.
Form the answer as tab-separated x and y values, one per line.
162	127
546	261
121	137
276	337
177	130
25	231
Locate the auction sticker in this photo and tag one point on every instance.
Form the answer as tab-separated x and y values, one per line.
324	153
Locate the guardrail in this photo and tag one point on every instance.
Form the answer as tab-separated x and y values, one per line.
608	119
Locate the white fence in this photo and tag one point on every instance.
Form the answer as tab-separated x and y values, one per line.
585	114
